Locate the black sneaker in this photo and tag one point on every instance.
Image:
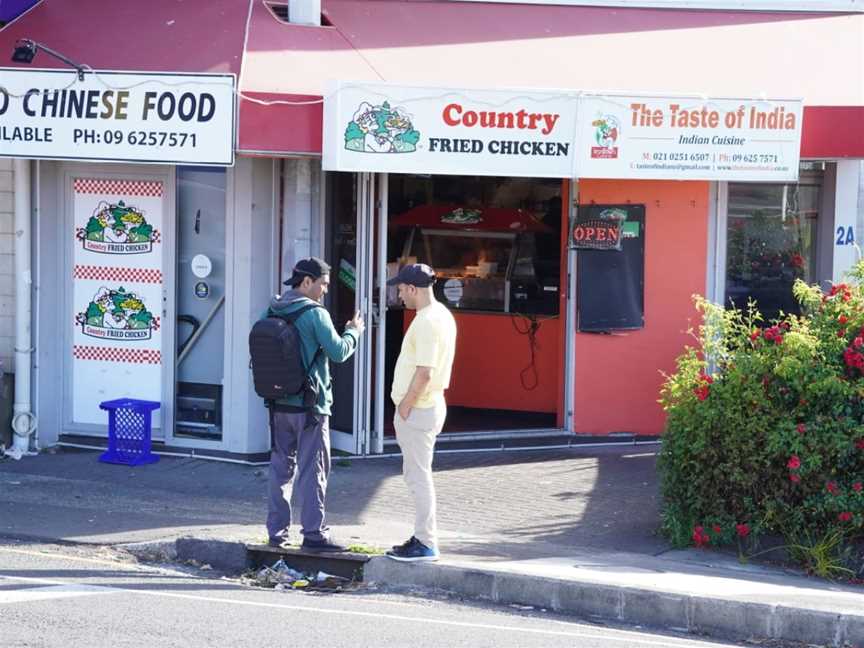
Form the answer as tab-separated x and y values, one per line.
324	545
410	541
417	552
276	542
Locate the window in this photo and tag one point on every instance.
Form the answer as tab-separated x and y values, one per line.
495	242
771	241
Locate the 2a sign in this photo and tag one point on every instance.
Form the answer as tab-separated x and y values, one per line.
845	236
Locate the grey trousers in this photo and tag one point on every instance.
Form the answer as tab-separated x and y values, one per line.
301	445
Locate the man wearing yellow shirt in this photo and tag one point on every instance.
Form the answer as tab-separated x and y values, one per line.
422	374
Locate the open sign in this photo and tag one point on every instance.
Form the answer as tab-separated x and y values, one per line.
597	234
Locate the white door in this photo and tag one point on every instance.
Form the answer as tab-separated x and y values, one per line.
118	300
351	255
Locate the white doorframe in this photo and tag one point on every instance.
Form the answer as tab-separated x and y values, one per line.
570	319
365	289
356	441
718	214
380	315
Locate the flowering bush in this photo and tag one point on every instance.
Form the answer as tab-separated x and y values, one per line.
765	428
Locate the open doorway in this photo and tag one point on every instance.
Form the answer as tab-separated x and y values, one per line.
496	245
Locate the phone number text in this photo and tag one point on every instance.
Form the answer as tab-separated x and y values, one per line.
134	138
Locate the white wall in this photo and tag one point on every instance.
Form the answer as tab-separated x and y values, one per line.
846	216
251	246
7	276
859	223
301	183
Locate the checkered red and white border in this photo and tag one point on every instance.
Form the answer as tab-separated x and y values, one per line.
122	275
109	354
118	187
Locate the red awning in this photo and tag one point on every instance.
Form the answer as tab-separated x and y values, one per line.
546	46
285	68
153	36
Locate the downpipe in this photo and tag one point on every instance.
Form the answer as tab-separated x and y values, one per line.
24	422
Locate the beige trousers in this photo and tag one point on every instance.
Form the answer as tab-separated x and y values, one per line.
416	438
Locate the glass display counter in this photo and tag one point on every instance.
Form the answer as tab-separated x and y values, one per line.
483	271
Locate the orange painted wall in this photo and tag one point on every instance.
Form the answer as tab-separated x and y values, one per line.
618	377
489	356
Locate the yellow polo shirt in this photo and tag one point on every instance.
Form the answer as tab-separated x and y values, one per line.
430	341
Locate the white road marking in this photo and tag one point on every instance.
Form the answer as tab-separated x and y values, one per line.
373	615
29	595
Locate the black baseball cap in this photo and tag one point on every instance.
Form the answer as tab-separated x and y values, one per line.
312	267
416	274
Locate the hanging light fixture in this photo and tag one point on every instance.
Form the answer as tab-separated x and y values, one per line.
26	50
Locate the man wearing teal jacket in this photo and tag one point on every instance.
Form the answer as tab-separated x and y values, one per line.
301	434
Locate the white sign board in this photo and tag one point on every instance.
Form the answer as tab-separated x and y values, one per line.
116	294
691	138
388	128
118	116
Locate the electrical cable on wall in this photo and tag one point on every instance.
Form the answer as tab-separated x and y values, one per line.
702	100
531	326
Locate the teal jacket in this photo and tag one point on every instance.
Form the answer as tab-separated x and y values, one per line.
316	331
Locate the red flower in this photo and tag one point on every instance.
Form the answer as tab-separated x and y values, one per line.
794	463
717	529
860	443
743	530
842	319
857	342
802	428
845	516
857	487
794	477
755	335
832	488
704	388
774	334
841	333
853	359
700	538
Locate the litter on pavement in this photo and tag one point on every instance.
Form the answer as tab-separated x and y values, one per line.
281	577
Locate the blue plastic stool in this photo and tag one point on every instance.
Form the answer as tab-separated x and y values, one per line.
129	431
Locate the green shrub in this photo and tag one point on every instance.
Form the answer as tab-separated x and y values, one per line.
765	429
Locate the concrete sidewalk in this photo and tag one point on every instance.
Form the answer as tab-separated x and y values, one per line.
571	530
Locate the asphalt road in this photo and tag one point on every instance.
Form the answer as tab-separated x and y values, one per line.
92	597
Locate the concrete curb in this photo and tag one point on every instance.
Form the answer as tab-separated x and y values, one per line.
151	550
717	618
713	617
224	555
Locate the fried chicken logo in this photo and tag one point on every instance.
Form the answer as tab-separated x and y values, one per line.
381	129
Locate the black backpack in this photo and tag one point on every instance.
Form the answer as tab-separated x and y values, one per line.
277	360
